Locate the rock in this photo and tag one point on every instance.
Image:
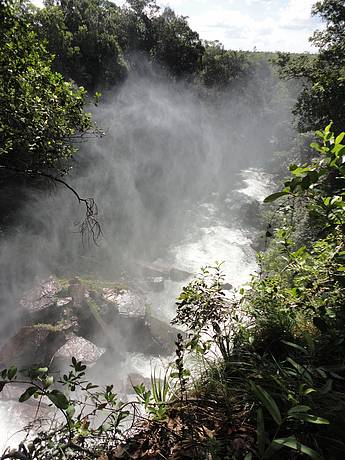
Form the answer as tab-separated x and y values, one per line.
151	271
110	295
163	335
64	301
166	272
82	349
39	304
13	391
78	292
156	283
32	346
175	274
23	418
41	296
227	287
130	304
133	379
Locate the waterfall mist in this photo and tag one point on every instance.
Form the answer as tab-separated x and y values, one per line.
167	149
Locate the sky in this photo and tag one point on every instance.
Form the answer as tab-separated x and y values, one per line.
267	25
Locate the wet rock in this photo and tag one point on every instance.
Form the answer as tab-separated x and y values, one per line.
175	274
64	301
165	272
133	379
227	287
152	271
78	292
39	304
13	391
21	418
110	295
156	283
163	335
32	346
130	304
80	348
98	317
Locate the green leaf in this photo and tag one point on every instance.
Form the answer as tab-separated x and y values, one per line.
294	345
274	196
268	402
313	419
48	381
316	146
260	431
338	149
328	127
308	391
27	394
41	370
70	410
249	456
298	409
339	138
58	399
11	373
292	443
2	384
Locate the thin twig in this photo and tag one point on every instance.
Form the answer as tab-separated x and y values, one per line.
90	226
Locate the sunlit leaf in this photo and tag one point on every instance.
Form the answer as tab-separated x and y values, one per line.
292	443
268	402
58	399
274	196
27	394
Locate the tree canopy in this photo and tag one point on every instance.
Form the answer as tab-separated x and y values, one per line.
323	95
39	111
82	36
41	115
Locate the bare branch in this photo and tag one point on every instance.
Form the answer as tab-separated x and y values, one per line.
89	228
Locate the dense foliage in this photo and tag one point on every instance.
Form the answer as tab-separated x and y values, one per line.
39	111
82	36
96	43
268	366
256	376
323	96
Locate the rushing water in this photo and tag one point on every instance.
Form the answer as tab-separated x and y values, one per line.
215	232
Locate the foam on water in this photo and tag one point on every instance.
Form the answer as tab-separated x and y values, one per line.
211	236
10	425
258	183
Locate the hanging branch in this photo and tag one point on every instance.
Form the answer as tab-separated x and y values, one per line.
89	228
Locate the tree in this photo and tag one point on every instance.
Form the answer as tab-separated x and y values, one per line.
220	68
333	37
176	47
41	115
323	95
136	28
82	35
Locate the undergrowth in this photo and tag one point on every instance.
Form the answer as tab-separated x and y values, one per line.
256	376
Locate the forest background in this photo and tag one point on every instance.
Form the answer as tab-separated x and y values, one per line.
277	386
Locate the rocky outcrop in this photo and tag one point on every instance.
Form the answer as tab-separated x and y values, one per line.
32	346
83	318
39	303
79	348
167	273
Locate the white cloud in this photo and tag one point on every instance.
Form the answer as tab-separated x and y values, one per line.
284	28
